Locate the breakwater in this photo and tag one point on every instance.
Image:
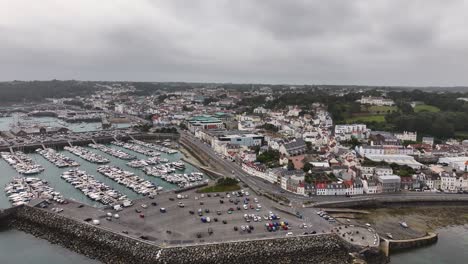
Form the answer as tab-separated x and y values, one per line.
390	246
111	247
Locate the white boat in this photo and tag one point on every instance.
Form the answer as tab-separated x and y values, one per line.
404	224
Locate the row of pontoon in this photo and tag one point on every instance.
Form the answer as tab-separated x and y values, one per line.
155	146
57	158
22	163
22	190
113	152
129	179
87	155
167	173
137	148
93	188
146	162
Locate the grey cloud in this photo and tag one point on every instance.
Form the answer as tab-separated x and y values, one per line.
300	41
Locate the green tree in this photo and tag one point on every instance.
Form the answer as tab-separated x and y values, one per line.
307	167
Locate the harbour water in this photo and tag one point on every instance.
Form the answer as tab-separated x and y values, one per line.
52	175
17	247
451	248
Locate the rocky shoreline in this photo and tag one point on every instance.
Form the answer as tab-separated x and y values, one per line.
109	247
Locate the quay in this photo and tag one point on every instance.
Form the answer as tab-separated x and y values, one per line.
80	139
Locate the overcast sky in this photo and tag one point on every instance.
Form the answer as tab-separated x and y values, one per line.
375	42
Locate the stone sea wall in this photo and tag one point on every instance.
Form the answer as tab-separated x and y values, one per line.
109	247
6	216
399	245
396	201
86	239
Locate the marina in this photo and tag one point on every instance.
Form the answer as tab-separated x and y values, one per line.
22	190
22	163
52	172
87	155
59	160
114	152
137	148
130	180
94	189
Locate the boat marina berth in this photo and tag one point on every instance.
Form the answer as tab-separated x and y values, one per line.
167	173
87	155
164	149
113	152
94	189
22	163
22	190
58	159
129	179
137	148
146	162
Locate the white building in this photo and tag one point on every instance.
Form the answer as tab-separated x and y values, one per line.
367	171
258	170
350	128
428	140
119	108
379	101
260	110
366	150
380	171
371	187
448	182
347	132
407	136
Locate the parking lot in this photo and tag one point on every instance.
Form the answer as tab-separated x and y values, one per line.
192	218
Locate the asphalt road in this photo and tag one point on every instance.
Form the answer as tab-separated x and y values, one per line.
231	167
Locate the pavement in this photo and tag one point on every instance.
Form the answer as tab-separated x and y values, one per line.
358	235
178	227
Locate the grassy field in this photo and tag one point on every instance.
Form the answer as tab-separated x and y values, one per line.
369	118
220	188
379	109
426	108
461	135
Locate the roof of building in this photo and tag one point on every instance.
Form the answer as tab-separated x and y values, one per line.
396	158
389	178
203	119
296	147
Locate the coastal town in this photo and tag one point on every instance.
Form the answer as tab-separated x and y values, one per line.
221	161
300	150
